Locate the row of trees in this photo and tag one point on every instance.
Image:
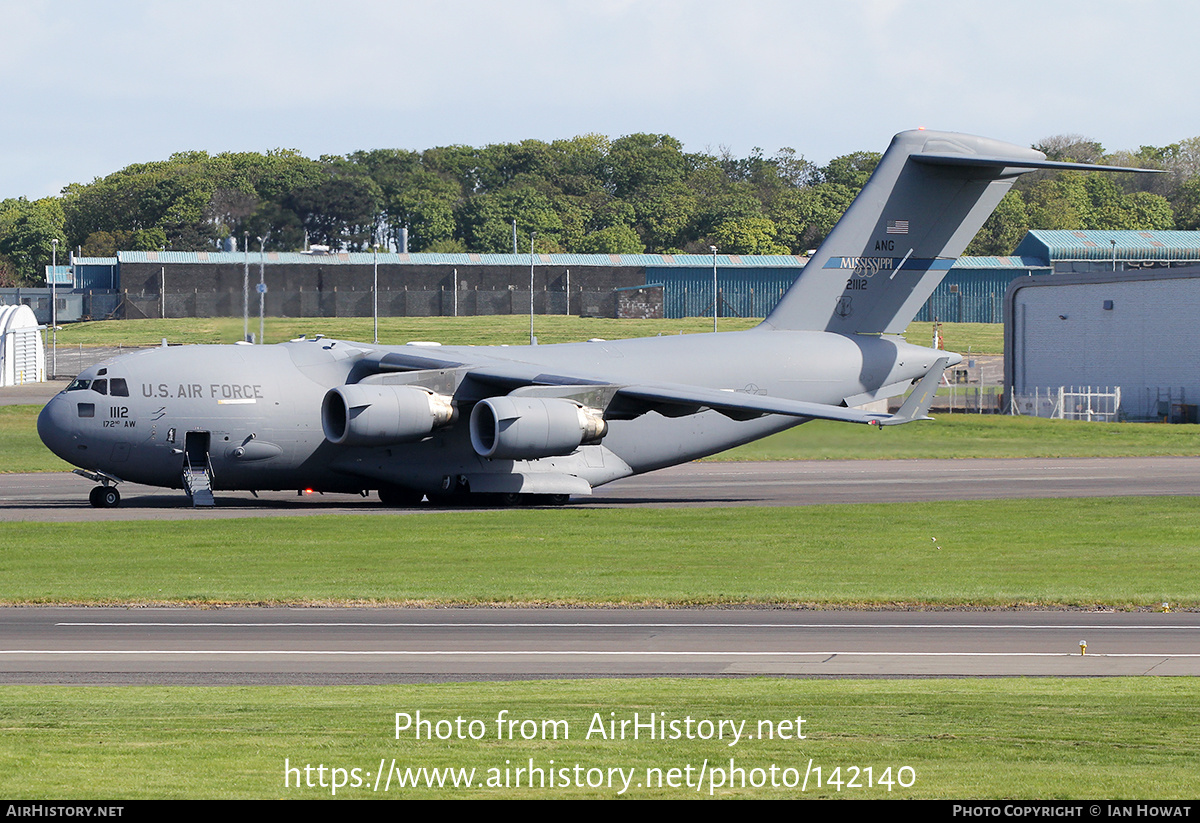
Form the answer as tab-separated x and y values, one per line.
589	194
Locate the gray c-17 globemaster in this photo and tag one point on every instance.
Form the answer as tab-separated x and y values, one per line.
540	423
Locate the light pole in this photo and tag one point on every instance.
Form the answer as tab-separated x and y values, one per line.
262	283
375	293
54	306
715	298
246	286
532	235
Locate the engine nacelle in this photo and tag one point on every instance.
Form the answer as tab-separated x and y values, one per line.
371	415
526	428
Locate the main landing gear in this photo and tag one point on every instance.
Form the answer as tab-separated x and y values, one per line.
105	497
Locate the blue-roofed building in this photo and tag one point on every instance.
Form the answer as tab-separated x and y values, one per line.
95	273
420	284
973	290
1068	251
60	277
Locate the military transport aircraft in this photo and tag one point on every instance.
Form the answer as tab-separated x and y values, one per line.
536	424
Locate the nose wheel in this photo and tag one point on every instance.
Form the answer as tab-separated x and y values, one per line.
105	497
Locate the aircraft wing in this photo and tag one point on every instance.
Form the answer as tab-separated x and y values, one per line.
738	404
630	400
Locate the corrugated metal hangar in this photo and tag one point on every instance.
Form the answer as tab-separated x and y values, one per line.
1133	329
198	284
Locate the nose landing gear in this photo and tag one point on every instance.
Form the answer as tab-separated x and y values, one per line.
104	496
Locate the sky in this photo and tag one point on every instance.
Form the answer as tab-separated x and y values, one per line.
94	87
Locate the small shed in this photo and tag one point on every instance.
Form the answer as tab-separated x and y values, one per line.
22	353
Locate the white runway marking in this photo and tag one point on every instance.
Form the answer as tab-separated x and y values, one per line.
568	653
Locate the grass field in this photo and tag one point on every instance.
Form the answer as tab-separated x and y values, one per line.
981	739
972	435
20	448
1123	553
979	338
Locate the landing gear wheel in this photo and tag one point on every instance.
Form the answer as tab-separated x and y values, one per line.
105	497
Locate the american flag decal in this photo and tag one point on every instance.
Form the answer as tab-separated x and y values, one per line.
897	227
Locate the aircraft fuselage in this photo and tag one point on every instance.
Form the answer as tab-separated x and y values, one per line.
255	411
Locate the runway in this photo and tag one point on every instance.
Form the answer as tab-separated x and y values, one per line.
327	646
55	645
63	497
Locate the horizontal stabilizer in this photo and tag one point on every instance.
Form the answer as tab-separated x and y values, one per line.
1020	166
927	198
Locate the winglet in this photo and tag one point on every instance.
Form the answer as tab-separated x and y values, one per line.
917	404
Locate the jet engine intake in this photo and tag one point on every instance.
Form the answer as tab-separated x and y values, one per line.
367	415
526	428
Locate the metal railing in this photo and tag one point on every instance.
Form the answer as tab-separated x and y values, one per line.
1093	403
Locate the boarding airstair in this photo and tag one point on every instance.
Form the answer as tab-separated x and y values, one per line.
197	473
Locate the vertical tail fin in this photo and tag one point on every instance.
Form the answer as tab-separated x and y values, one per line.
929	195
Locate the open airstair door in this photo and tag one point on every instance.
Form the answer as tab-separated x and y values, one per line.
197	474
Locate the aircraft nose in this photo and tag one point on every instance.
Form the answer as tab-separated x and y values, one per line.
55	427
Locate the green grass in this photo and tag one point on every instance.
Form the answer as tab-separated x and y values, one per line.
1124	553
460	331
976	338
972	435
981	739
20	448
979	338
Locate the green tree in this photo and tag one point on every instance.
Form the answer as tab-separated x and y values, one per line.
804	217
612	240
341	210
1186	203
664	216
27	230
485	221
1003	230
850	170
747	235
425	204
1150	212
99	244
644	163
1051	204
1072	148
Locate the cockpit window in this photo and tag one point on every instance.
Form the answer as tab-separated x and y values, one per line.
79	385
119	388
100	386
87	409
